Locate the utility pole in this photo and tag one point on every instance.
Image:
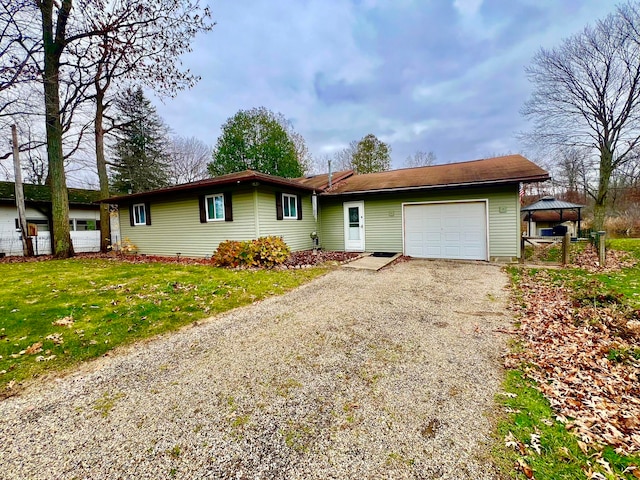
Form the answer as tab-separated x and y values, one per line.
27	245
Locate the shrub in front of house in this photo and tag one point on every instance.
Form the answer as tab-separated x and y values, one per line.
261	252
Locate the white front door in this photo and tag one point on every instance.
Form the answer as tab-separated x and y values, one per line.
354	226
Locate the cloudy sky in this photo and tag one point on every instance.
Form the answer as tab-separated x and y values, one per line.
434	75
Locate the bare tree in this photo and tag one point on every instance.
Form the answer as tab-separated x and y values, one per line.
20	43
343	159
587	94
189	158
573	167
95	45
420	159
137	41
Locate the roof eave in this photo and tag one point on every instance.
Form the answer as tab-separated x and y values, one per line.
540	178
203	186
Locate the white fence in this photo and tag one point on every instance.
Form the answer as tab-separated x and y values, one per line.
83	241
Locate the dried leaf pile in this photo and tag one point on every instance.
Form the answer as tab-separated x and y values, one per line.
584	357
615	260
296	259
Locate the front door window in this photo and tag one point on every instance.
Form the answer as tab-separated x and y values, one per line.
354	223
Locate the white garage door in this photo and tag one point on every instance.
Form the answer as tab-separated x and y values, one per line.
446	230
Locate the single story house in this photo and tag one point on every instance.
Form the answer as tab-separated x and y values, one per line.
467	210
84	219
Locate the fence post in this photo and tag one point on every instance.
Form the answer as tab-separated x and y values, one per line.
602	257
566	244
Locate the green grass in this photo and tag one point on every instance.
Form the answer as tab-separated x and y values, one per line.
529	412
560	455
113	303
627	244
626	282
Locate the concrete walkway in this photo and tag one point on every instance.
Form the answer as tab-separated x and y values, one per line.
369	262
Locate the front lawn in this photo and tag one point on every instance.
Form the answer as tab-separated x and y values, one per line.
58	313
571	397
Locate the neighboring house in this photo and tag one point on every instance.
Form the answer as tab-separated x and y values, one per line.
468	210
84	218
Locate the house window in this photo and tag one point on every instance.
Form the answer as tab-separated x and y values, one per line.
139	214
215	207
290	206
82	224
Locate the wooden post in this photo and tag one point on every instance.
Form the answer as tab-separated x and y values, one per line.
566	244
27	245
602	256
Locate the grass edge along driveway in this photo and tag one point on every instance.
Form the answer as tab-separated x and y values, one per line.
56	314
530	441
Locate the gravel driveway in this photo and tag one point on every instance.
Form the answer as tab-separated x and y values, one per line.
356	375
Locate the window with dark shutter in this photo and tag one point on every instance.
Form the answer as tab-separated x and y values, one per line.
140	214
203	209
279	213
147	211
228	208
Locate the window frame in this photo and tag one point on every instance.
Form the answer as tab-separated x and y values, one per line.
136	208
287	198
206	207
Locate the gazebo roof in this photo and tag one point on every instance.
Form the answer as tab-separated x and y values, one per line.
550	203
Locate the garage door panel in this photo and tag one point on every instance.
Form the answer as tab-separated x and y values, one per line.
446	230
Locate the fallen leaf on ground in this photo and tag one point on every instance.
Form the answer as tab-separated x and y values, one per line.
35	348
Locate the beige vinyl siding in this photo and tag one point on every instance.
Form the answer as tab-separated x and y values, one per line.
296	233
383	218
175	226
331	223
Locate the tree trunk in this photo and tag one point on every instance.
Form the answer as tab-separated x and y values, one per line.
58	183
105	230
600	205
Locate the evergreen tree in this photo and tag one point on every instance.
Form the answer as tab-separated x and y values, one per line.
141	149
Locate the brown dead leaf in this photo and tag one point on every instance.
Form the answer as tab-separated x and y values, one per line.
568	348
524	468
35	348
583	446
64	322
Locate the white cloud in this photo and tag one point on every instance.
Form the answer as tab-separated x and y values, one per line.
467	7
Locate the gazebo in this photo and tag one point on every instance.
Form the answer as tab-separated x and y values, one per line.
550	204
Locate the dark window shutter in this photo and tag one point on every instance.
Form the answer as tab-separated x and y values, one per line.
299	197
131	217
203	209
279	214
17	224
147	212
228	208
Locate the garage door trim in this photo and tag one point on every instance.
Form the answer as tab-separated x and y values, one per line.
485	201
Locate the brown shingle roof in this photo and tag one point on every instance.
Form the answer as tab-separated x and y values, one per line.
244	177
320	182
498	170
552	216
